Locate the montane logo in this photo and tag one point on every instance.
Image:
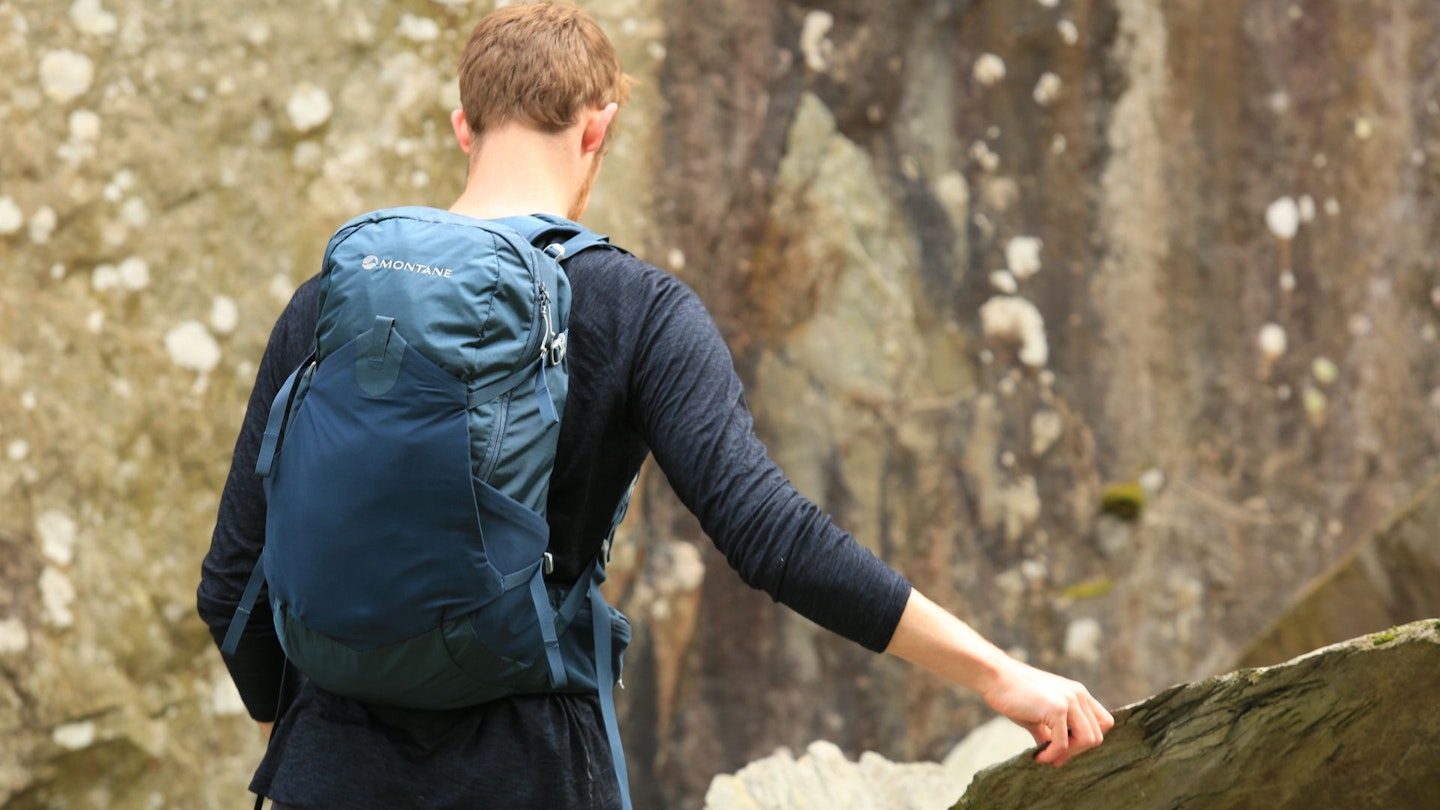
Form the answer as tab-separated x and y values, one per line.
373	262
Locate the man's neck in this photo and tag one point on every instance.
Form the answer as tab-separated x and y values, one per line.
518	171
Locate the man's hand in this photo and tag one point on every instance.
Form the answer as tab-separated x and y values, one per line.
1059	713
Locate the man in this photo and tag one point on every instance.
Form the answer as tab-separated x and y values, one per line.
540	87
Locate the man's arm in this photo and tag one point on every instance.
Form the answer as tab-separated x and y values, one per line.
239	532
1053	709
692	413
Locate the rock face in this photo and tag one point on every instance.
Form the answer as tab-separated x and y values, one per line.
982	266
1391	578
1352	725
823	779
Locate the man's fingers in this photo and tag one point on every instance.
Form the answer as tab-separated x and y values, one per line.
1057	750
1107	720
1086	725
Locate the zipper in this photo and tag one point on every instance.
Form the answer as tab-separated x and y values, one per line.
492	448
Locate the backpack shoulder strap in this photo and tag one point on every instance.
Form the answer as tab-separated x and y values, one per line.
558	237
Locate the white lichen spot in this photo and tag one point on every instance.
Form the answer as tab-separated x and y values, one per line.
191	346
1287	281
95	321
1325	370
66	75
989	70
1316	405
1022	508
84	126
224	314
1047	89
1283	218
135	213
57	532
281	287
1022	256
814	40
1082	641
225	699
74	736
1279	102
1307	208
42	225
1272	341
1033	570
89	18
104	277
57	594
133	274
1359	325
675	259
910	167
981	153
17	450
1045	429
1000	192
1283	392
655	49
1152	481
308	155
1003	282
1332	207
1364	128
12	219
1013	319
14	638
257	33
309	107
953	192
1049	3
1059	145
119	185
1068	32
418	29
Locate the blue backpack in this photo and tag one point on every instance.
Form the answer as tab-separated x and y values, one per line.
406	467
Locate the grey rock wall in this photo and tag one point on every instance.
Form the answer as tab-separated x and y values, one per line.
983	266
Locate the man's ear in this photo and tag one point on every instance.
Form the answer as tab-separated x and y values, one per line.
461	127
597	123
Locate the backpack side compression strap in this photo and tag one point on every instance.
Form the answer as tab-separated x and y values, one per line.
605	680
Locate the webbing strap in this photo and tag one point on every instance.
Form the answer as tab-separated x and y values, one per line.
541	597
275	425
542	396
605	679
242	613
521	577
579	593
484	394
